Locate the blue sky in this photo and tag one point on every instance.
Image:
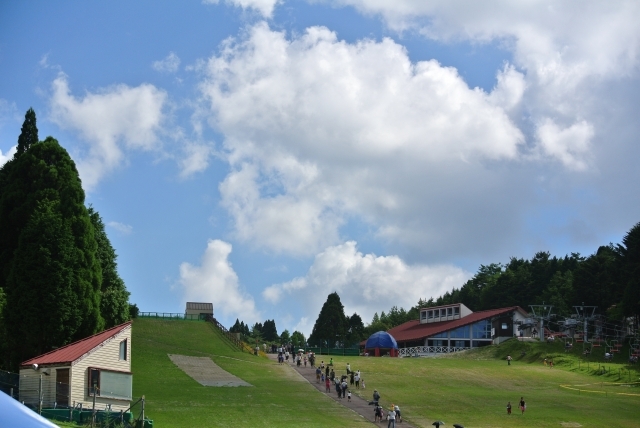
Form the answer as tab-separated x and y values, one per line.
261	154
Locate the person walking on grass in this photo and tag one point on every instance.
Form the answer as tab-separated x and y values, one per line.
508	360
509	408
523	405
357	379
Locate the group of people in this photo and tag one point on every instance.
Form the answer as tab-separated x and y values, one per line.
298	358
378	411
522	405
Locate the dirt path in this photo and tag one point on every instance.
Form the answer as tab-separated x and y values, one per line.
357	404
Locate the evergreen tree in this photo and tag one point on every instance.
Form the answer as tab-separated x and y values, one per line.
630	261
29	134
298	340
285	337
356	330
41	199
331	324
269	331
114	299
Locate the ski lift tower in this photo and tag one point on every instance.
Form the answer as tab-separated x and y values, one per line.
585	313
541	313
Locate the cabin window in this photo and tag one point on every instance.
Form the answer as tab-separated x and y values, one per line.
430	314
443	313
504	326
94	381
423	315
110	384
456	310
449	311
123	350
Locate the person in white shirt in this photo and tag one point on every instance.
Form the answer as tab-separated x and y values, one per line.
391	416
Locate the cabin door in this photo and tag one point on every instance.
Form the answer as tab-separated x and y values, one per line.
62	387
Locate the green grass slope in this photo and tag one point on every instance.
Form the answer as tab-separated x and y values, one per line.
278	397
470	388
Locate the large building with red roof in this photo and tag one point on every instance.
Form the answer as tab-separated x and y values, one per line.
98	365
453	328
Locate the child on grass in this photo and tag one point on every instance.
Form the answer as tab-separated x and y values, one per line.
509	408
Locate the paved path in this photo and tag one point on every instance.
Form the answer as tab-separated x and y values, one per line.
357	404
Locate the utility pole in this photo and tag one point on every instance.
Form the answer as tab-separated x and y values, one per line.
541	313
585	313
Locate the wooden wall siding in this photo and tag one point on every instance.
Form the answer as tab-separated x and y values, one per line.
106	356
30	383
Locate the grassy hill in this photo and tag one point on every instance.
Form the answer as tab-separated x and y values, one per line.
471	388
278	397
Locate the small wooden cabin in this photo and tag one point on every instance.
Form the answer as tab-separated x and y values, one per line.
197	310
99	364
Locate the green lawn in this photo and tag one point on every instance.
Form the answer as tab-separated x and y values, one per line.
278	397
471	389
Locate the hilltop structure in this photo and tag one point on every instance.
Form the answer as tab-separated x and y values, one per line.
198	310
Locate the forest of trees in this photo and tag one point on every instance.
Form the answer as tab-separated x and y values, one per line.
58	272
608	279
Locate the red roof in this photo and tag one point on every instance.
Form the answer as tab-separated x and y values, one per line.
413	330
73	351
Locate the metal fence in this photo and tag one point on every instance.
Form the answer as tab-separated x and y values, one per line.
52	399
9	383
171	316
423	351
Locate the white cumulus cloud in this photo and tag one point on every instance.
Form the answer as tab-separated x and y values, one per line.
317	130
569	145
195	159
215	281
263	7
366	282
169	64
110	122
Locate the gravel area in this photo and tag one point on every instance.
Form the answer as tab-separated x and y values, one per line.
204	371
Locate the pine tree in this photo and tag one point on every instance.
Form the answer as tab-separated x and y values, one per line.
331	324
29	134
114	299
41	200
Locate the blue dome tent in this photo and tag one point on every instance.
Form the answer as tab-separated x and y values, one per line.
381	340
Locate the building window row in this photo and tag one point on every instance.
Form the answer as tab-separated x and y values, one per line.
441	313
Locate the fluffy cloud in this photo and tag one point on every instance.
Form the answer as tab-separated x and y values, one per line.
564	48
170	64
317	130
4	158
195	159
215	281
568	145
366	282
109	121
263	7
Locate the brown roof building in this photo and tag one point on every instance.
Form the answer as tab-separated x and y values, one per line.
453	328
